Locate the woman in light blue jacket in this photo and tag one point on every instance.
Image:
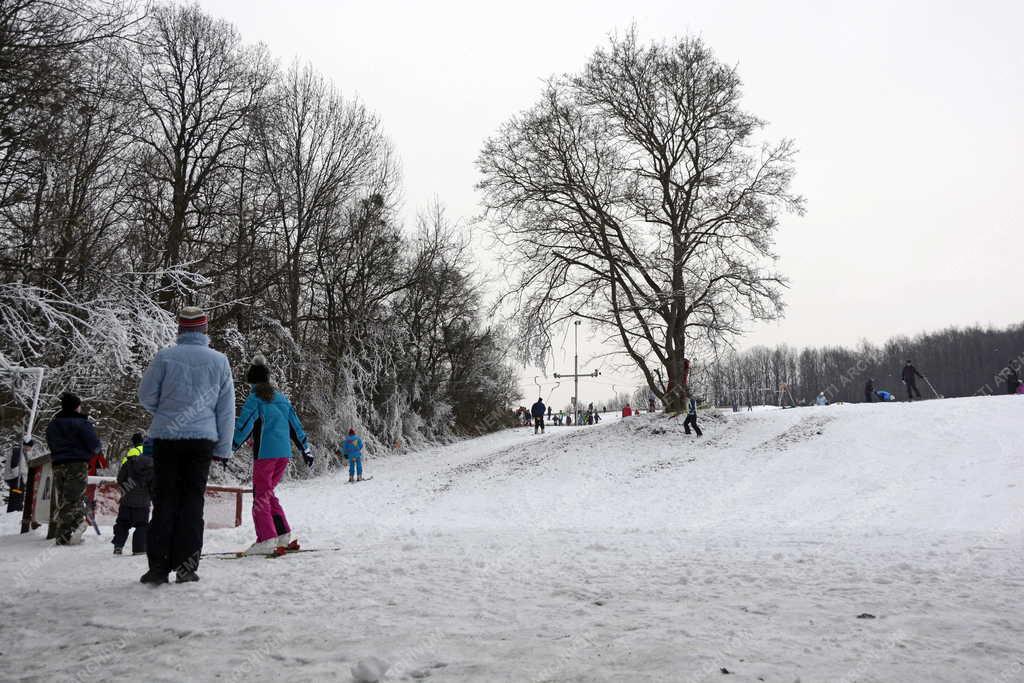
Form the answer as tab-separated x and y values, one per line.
268	417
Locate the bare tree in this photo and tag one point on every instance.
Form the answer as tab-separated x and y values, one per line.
322	153
634	195
197	85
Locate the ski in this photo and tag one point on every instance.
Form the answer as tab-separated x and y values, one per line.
90	515
360	481
928	382
240	555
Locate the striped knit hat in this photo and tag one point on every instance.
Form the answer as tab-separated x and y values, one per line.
192	319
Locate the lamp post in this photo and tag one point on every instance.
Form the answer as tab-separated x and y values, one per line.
576	373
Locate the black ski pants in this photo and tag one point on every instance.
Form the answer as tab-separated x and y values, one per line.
691	421
127	518
538	423
180	470
912	390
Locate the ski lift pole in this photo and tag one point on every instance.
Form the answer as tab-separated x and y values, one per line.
929	383
34	410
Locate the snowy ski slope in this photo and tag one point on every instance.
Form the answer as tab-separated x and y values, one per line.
621	552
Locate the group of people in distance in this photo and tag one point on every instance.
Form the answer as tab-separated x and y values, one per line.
908	375
188	389
538	411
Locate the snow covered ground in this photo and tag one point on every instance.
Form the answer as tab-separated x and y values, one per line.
621	552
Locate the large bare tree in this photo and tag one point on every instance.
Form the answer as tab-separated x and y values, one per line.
197	85
636	195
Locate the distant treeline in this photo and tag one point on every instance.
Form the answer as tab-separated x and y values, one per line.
958	362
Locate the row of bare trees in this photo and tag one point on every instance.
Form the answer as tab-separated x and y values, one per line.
968	361
157	148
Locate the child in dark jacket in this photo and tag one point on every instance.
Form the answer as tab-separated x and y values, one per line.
136	480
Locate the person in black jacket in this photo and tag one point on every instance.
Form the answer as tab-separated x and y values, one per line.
537	410
869	391
1012	382
73	442
691	417
910	375
136	480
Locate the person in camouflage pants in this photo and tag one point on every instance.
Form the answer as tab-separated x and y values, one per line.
73	442
69	481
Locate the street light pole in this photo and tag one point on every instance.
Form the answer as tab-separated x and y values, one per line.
576	375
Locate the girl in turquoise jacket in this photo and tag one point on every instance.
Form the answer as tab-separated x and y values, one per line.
268	417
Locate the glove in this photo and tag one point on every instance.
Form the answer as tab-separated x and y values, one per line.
307	456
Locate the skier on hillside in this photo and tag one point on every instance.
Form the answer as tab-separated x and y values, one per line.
136	480
189	391
869	391
538	410
1012	382
691	417
909	376
16	474
267	415
73	443
352	449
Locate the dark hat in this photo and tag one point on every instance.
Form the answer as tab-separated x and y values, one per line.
136	439
351	432
69	402
192	319
258	371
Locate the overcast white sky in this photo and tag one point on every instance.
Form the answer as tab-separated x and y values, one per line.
908	117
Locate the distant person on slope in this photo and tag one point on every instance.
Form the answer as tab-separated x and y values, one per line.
352	449
269	418
538	410
1012	382
691	417
821	400
884	395
910	375
627	411
869	391
189	391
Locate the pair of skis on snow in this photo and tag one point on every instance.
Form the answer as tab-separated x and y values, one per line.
241	555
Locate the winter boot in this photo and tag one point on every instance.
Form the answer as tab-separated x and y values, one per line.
154	577
118	551
73	539
350	479
359	478
77	534
283	540
262	547
185	576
